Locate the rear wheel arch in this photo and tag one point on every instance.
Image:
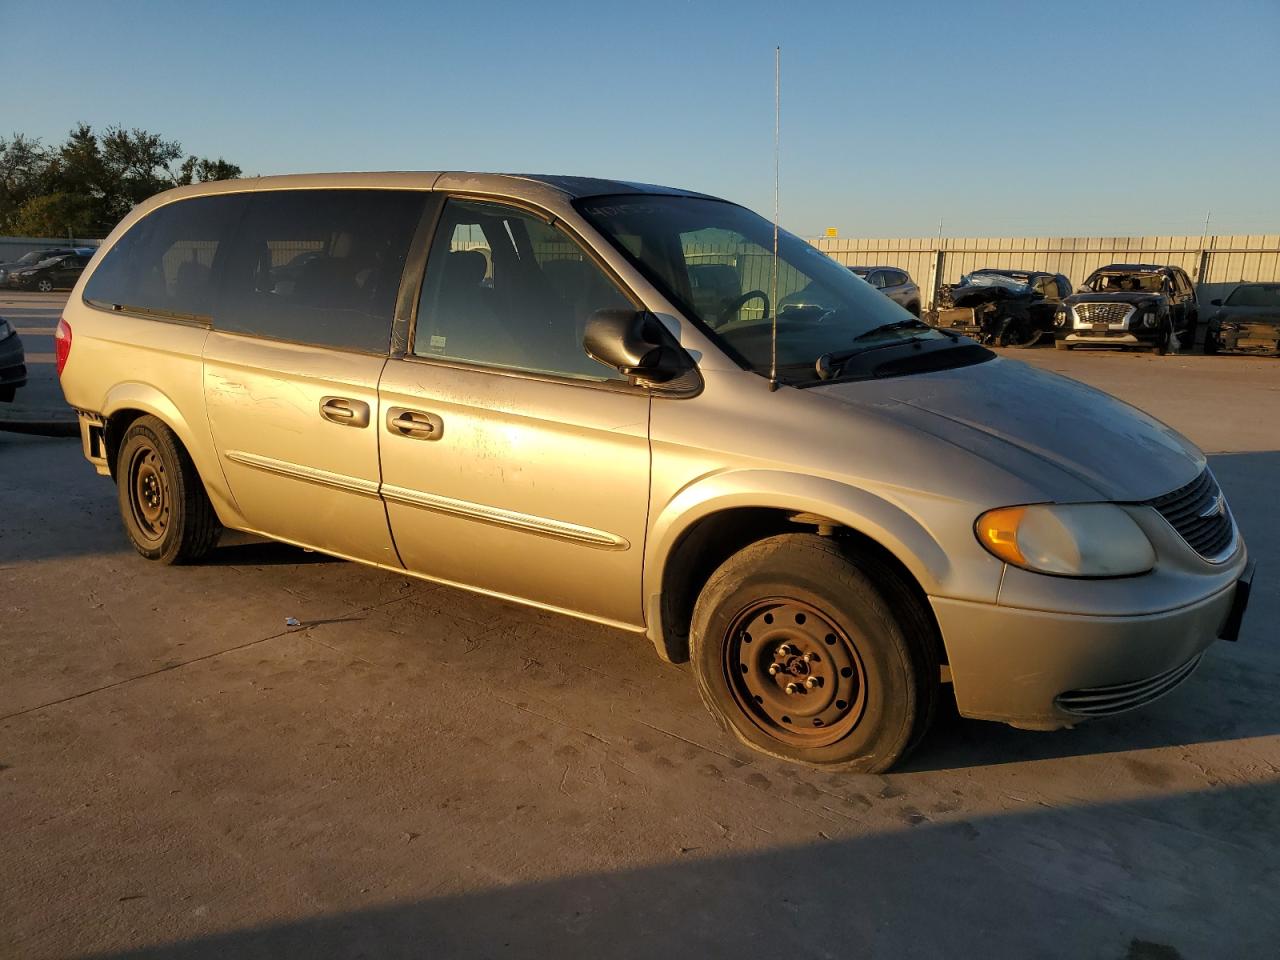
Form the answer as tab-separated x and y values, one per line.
126	402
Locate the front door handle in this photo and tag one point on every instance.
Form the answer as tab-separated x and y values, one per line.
415	424
349	413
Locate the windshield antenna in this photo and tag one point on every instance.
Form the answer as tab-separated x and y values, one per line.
773	289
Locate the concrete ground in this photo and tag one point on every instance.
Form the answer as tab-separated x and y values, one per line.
416	771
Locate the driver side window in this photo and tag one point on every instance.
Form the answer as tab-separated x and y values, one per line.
504	288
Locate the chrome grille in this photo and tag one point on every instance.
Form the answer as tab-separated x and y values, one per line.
1090	313
1119	697
1200	514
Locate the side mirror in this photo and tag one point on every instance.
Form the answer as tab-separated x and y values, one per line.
633	342
1217	302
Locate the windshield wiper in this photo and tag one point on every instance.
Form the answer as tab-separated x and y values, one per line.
909	323
831	364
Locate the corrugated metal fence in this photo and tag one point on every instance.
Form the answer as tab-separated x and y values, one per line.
1212	261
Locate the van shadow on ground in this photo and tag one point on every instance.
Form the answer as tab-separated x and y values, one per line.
1185	877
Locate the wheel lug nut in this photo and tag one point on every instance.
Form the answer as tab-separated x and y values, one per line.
785	650
809	657
811	682
773	669
793	688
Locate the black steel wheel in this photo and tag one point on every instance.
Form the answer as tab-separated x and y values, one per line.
810	652
166	512
794	672
150	499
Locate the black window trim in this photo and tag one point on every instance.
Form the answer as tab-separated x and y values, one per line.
419	254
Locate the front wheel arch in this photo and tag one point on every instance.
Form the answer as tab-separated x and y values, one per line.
683	560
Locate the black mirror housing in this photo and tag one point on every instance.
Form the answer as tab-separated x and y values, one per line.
633	342
1217	302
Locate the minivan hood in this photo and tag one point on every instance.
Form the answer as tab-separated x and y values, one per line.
1010	413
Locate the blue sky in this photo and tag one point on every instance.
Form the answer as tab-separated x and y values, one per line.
1000	118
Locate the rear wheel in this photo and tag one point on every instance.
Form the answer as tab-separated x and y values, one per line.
811	654
166	512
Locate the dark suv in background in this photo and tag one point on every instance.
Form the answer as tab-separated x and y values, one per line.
894	283
1131	305
28	260
50	274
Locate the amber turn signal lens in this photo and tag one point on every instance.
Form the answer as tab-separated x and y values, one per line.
998	532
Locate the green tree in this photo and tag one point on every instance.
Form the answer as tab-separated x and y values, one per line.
86	184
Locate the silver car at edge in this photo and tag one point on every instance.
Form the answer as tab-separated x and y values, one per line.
511	384
895	283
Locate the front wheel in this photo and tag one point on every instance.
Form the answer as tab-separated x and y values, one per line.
810	654
166	512
44	286
1164	339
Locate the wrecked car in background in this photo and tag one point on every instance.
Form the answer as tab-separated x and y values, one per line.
1131	305
1248	320
1006	308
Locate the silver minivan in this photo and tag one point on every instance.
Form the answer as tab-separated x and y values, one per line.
577	394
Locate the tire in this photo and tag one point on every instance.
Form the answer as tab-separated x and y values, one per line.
813	654
7	394
1210	343
166	512
44	286
1187	338
1164	340
914	310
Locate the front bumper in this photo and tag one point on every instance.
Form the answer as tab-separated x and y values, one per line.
1110	338
1035	668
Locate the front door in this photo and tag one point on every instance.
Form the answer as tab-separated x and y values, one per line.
512	462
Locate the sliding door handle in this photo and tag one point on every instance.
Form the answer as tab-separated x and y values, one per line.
415	424
349	413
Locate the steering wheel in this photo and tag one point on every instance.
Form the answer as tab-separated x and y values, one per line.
730	309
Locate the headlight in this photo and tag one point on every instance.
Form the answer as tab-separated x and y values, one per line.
1060	317
27	273
1151	317
1067	540
6	331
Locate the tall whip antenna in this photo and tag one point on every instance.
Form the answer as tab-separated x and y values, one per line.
777	139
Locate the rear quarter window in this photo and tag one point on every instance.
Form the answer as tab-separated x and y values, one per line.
164	263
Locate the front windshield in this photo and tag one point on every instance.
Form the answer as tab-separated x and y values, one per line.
1255	295
715	260
1126	283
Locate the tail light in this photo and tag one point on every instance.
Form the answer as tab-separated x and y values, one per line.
62	343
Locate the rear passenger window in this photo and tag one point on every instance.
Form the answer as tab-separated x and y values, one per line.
164	264
320	267
504	288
